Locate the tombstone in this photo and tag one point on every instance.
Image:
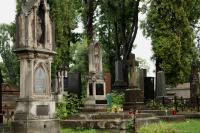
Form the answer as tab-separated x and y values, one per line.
72	83
35	110
119	76
160	85
59	84
142	74
194	81
148	88
96	89
134	94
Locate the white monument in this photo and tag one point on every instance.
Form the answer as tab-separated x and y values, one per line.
96	91
35	112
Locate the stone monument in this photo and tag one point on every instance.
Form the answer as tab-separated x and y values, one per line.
133	94
160	85
96	90
35	112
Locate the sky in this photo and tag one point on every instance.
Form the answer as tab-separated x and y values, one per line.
143	49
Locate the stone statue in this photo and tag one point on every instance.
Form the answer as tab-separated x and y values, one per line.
97	57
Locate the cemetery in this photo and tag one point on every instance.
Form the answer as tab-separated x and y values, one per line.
55	79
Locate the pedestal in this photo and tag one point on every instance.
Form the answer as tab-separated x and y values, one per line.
96	96
35	116
36	126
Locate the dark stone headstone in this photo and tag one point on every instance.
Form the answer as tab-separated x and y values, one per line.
119	71
160	84
142	74
148	88
73	83
99	89
119	75
90	89
42	110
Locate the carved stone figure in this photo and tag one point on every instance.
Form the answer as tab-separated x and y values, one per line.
97	57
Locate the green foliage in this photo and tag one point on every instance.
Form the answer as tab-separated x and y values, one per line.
117	99
19	4
154	105
7	39
79	54
169	24
66	17
129	126
188	126
68	106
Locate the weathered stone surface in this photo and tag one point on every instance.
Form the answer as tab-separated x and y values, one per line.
73	84
36	126
96	87
160	84
34	49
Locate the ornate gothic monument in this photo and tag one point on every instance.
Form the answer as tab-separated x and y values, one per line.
35	112
96	91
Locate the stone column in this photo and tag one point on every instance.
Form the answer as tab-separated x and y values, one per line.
35	111
160	84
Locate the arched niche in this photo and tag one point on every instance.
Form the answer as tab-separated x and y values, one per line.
40	81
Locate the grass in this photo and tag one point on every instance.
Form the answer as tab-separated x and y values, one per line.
189	126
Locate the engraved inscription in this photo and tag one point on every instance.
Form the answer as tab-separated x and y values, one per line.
42	110
40	87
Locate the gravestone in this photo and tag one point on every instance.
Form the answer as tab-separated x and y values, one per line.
73	83
142	74
133	94
194	81
96	89
148	88
160	85
35	111
119	76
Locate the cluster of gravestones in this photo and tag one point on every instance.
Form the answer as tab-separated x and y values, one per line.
35	110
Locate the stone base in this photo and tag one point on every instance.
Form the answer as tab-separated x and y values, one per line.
95	108
36	126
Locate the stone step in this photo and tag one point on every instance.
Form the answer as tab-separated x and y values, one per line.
108	115
132	105
170	118
190	115
156	112
117	124
101	115
144	115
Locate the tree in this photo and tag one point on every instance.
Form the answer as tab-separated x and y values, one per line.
170	24
65	15
118	25
7	38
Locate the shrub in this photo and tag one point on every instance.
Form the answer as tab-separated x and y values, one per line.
69	105
117	99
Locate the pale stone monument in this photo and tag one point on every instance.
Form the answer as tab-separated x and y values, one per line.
35	112
96	91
